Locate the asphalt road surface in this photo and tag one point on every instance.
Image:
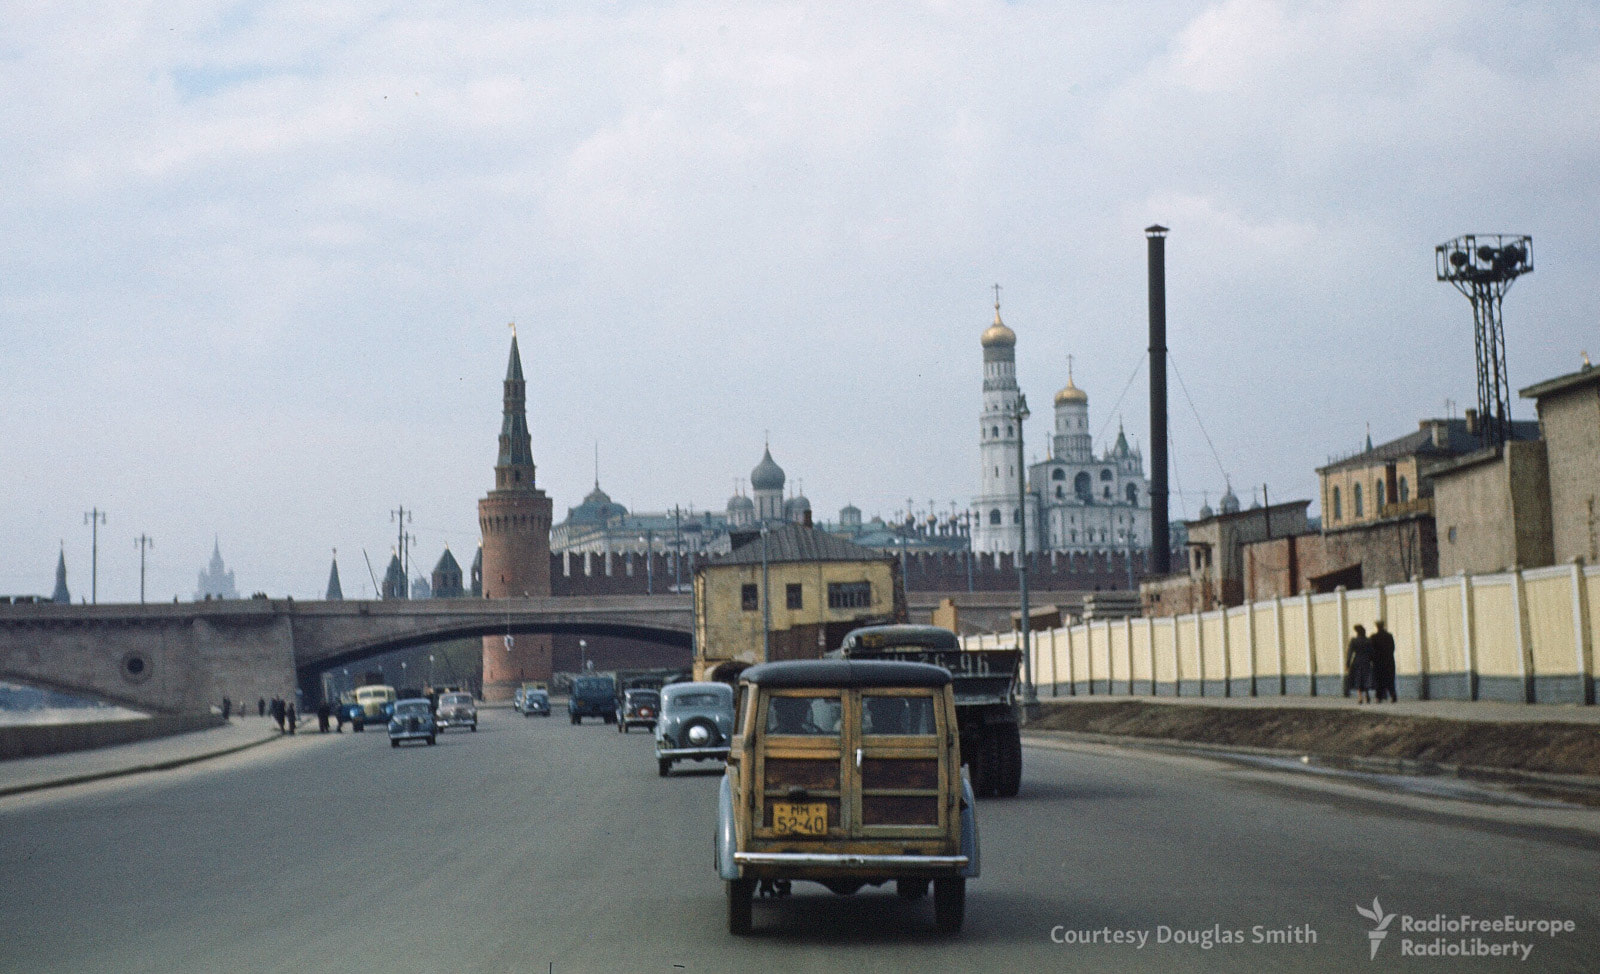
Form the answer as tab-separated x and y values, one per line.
535	846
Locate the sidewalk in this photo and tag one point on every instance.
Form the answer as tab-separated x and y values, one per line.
75	767
1476	710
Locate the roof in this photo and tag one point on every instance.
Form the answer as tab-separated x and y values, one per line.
1562	383
796	542
1420	443
844	673
767	475
883	637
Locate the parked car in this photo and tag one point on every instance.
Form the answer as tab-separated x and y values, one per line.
371	704
638	708
456	710
534	702
847	773
696	723
412	721
593	696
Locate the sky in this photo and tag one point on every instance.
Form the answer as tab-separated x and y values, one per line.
258	259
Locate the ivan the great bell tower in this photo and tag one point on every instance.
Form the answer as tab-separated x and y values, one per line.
515	521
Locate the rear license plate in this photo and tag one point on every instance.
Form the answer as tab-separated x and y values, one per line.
800	818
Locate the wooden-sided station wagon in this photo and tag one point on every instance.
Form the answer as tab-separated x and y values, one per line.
846	773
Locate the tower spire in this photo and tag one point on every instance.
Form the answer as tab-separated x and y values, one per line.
514	468
61	594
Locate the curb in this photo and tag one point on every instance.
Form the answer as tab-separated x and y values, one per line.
134	769
1588	785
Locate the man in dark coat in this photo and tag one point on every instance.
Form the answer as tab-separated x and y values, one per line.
1383	663
261	706
1358	663
290	716
323	713
276	709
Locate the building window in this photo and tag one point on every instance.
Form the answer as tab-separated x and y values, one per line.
1008	430
749	598
1061	493
1337	512
1355	495
794	596
1133	494
1058	474
994	431
1451	534
1108	493
1016	516
1105	475
1405	491
994	516
849	595
1083	486
1379	494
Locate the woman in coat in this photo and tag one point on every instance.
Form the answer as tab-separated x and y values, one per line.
1359	661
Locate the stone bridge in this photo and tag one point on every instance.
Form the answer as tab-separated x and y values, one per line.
183	658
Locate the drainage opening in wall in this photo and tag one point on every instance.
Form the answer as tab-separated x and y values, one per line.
136	667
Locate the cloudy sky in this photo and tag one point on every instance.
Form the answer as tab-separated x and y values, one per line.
258	258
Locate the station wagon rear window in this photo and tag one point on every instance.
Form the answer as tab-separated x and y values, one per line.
803	716
901	716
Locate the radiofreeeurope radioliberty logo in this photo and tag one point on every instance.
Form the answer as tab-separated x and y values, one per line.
1461	935
1382	921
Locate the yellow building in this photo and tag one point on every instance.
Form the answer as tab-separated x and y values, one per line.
818	587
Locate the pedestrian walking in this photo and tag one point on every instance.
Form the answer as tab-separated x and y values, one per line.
290	717
1358	664
323	713
227	708
1383	663
277	711
261	706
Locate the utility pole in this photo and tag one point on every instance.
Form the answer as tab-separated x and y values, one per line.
1021	413
94	519
403	547
766	604
677	549
143	541
649	561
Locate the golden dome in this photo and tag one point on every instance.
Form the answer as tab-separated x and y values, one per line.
998	333
1070	392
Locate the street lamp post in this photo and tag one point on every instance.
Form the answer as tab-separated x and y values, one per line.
143	541
1029	695
766	603
583	655
94	519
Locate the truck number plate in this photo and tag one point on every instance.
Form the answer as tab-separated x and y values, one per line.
800	818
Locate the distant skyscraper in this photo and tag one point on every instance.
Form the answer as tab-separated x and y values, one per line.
61	594
215	582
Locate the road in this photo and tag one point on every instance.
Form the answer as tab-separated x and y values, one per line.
535	846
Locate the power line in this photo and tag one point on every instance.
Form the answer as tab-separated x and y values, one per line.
1136	370
1182	385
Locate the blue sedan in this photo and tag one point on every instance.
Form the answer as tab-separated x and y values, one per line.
412	721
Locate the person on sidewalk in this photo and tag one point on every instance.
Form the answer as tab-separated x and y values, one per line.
276	708
1383	663
289	716
1358	664
323	713
261	706
227	708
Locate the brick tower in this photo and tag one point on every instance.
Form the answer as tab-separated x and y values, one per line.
515	520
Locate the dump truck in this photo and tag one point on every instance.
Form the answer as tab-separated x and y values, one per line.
988	713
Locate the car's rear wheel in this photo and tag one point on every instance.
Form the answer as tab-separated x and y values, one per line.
911	889
358	726
474	727
699	732
741	892
576	719
664	766
430	740
609	718
949	904
622	727
394	742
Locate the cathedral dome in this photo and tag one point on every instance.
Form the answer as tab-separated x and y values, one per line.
767	475
998	333
739	502
1071	393
1230	501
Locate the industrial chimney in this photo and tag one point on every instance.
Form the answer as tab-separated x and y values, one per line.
1160	527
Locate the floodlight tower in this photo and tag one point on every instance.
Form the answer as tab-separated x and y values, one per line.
1482	266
